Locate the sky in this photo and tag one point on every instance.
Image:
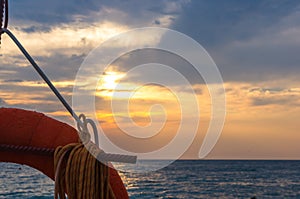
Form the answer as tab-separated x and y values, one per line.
255	45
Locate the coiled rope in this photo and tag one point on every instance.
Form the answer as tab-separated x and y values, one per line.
79	174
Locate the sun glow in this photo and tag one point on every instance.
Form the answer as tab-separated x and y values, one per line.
109	82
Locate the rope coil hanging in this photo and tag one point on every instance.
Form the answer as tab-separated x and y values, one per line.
80	175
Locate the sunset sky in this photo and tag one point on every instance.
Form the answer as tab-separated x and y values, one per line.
255	44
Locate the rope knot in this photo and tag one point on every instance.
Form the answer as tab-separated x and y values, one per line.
83	130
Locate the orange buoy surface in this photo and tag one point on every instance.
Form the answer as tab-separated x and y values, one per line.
29	137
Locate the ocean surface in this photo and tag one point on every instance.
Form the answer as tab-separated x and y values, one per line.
182	179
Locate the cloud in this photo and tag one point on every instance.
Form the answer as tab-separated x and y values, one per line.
2	102
13	80
282	100
224	22
268	56
146	56
134	13
58	67
264	96
266	90
249	41
51	12
32	29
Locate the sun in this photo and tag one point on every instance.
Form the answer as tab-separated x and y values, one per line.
109	82
110	79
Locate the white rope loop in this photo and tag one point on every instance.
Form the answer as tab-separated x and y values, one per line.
83	130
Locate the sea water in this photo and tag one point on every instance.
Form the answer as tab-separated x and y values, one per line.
181	179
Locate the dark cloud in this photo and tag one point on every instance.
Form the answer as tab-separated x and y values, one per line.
249	41
134	13
43	90
13	80
61	67
157	22
32	29
51	12
2	102
263	61
276	100
146	56
57	67
270	90
213	23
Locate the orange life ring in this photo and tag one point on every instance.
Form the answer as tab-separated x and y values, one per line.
29	130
